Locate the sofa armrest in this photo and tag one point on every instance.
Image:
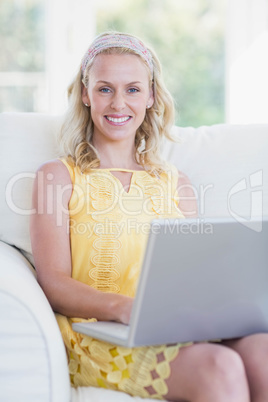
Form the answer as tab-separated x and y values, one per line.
33	364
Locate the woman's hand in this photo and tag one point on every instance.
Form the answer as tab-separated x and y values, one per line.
123	309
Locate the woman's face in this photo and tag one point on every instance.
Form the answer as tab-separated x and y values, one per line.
118	93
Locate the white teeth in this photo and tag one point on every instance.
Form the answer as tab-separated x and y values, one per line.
117	120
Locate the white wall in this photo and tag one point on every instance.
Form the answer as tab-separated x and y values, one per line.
247	61
70	30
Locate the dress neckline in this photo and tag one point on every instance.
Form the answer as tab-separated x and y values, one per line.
126	188
119	170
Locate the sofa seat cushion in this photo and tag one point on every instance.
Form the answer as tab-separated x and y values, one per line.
92	394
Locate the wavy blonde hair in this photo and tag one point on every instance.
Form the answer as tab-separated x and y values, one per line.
77	129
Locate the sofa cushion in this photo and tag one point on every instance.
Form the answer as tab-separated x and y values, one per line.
93	394
27	140
228	167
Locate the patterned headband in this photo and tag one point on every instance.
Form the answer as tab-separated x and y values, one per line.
117	40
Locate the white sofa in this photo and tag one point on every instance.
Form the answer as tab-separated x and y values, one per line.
228	166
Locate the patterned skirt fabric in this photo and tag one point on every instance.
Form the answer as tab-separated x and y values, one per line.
131	370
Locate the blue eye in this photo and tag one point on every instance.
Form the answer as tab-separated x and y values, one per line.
105	90
133	90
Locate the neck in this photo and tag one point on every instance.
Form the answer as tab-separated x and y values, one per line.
117	155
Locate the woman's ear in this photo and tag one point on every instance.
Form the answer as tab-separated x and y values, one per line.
151	98
85	97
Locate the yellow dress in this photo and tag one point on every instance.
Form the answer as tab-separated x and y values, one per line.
108	232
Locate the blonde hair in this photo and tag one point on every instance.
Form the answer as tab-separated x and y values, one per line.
77	129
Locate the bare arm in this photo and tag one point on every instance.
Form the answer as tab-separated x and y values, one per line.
52	254
187	198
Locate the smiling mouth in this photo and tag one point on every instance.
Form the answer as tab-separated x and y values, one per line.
118	120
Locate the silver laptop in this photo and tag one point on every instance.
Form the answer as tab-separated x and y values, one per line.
200	280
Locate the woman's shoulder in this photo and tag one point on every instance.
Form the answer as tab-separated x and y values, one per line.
183	179
187	196
52	184
56	170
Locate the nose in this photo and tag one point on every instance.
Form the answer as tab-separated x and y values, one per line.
118	101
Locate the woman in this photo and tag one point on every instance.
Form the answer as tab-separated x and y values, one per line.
88	237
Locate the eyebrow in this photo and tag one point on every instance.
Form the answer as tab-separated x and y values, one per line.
110	83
